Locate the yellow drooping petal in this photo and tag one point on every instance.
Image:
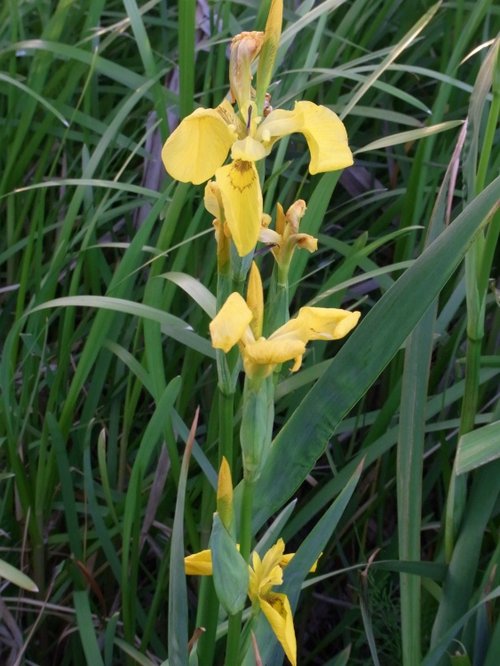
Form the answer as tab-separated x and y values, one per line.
229	324
198	564
261	356
327	323
274	351
278	612
305	242
198	147
326	137
325	134
242	200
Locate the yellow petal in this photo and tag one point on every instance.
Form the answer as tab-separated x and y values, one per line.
327	323
266	572
199	564
295	213
229	324
269	236
276	608
325	134
212	200
248	149
272	352
242	200
280	219
198	147
255	300
326	137
305	242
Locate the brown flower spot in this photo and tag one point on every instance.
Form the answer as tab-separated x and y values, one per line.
241	175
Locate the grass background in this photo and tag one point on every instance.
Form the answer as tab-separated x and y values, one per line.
105	358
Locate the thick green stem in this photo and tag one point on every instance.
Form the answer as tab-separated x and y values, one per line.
278	302
207	617
234	630
233	640
226	414
246	519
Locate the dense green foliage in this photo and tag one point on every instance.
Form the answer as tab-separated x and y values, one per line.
106	354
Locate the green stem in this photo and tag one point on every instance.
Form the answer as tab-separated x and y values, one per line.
246	519
207	617
226	415
234	628
233	640
471	389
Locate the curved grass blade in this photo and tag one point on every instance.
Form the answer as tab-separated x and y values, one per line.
171	325
177	591
16	577
410	135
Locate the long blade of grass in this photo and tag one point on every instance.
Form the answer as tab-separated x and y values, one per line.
86	629
177	593
412	421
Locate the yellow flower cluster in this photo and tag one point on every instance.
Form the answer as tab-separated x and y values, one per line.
197	150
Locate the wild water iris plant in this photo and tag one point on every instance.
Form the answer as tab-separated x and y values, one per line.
244	128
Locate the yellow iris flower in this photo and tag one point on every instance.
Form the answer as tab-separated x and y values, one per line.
240	321
197	149
264	574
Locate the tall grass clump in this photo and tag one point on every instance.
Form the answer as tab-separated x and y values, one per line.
249	371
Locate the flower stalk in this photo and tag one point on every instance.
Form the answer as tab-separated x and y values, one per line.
225	147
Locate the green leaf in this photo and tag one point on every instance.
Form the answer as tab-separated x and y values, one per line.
10	573
363	357
177	591
194	288
478	447
230	571
86	629
433	658
410	135
171	326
